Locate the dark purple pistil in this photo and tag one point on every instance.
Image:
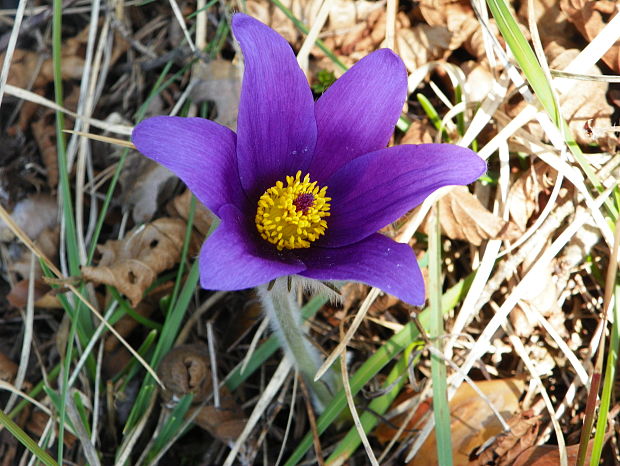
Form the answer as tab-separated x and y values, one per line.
304	202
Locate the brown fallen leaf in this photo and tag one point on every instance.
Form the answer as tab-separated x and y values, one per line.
480	80
8	369
549	455
524	195
589	17
132	264
219	81
587	102
179	207
419	132
463	217
553	23
456	16
145	185
43	295
473	422
186	369
37	217
44	132
37	423
33	214
507	446
266	11
419	44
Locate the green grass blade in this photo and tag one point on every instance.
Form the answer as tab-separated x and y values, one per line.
164	344
441	409
396	379
526	58
432	114
608	384
170	428
386	353
26	441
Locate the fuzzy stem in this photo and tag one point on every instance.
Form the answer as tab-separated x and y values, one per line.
285	319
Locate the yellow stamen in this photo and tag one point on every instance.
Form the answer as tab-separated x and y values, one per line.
292	217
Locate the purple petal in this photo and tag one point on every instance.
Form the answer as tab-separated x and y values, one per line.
276	129
199	151
234	257
375	189
357	114
376	261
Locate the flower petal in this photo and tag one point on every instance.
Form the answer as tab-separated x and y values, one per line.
276	129
375	189
376	260
199	151
357	114
234	258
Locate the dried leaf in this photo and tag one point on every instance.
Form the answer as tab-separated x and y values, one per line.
37	423
179	207
224	423
419	132
524	194
422	43
473	422
456	16
44	132
549	455
33	215
265	11
132	264
186	369
506	447
479	82
219	81
587	102
8	369
463	217
589	17
553	24
43	295
145	185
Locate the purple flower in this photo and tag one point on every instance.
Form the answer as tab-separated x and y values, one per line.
303	186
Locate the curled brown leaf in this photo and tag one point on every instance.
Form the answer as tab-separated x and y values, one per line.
186	369
463	217
132	264
524	194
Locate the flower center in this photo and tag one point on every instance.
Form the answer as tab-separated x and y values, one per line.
292	217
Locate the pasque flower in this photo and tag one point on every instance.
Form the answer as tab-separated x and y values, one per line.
303	187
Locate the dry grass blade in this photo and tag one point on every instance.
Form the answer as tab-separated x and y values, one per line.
521	351
37	99
4	215
359	317
6	65
316	441
98	137
261	405
179	17
11	388
483	342
27	338
352	409
313	34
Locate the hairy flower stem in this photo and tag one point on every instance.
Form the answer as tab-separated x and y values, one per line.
285	318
